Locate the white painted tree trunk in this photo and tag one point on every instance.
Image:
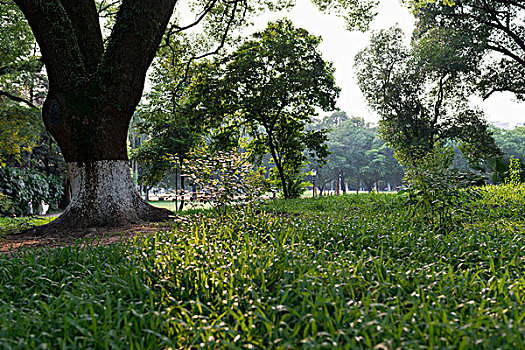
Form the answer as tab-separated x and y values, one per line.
103	194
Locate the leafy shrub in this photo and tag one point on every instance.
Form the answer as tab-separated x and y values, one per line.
223	178
498	170
24	185
437	192
514	178
6	204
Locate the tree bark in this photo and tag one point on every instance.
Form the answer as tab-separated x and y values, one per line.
104	195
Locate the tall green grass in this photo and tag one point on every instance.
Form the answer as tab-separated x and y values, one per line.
357	271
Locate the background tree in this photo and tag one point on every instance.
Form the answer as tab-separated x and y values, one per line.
170	122
495	29
359	154
421	93
20	85
511	142
272	84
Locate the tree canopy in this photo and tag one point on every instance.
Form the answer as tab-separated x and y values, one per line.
421	93
272	85
494	28
96	79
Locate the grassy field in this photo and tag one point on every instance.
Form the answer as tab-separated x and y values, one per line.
170	205
360	271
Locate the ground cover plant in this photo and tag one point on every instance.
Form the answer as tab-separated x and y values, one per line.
14	225
356	271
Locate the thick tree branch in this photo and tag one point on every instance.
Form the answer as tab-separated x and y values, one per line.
503	89
138	30
56	38
506	52
83	16
17	98
439	101
497	24
494	24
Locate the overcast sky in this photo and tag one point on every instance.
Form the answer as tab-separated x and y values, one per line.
340	46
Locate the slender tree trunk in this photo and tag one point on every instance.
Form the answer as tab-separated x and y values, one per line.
176	189
284	183
278	165
182	193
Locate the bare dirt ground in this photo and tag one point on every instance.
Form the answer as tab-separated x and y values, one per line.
93	236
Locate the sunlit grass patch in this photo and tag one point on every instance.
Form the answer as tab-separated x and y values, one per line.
341	272
15	225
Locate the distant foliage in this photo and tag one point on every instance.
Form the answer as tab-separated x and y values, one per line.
358	154
511	142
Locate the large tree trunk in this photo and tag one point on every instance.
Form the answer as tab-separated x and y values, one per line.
104	195
93	92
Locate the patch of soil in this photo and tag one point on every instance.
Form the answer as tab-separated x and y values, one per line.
90	237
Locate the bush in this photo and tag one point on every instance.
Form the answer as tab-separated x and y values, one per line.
437	191
24	185
6	204
223	178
